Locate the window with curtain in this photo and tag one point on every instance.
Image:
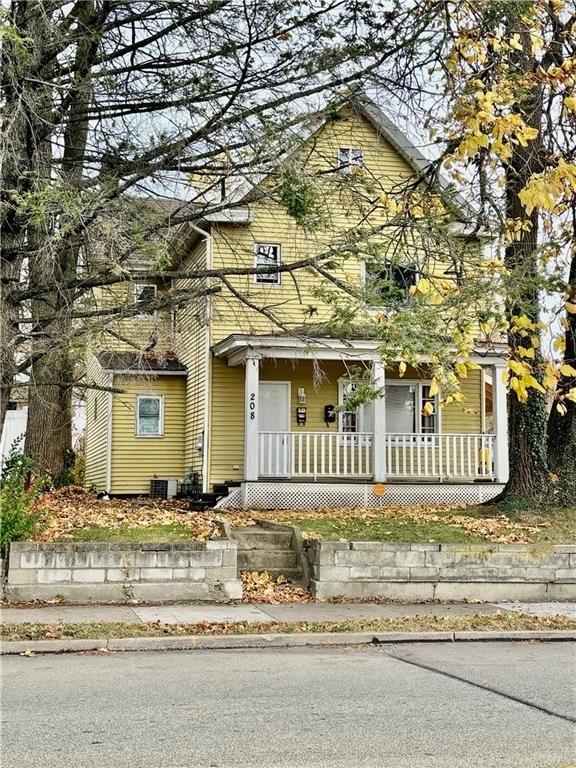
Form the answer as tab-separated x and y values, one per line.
404	404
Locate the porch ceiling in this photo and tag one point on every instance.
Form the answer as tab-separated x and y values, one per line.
237	348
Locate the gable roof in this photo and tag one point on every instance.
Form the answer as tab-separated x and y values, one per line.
385	127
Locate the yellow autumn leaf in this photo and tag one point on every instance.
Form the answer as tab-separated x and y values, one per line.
561	408
461	370
515	43
530	381
524	352
428	409
570	104
571	395
518	367
433	388
401	368
423	286
570	307
567	370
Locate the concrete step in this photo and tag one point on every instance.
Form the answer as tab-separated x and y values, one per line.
254	537
259	560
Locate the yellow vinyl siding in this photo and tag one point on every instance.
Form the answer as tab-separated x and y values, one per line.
154	330
97	424
233	246
226	443
135	460
191	342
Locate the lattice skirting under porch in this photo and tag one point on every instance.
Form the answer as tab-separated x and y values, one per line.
278	495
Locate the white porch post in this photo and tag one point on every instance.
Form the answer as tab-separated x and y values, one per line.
379	440
251	417
500	411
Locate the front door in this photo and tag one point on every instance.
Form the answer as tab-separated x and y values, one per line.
274	427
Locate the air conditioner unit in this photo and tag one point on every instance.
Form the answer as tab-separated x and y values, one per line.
163	488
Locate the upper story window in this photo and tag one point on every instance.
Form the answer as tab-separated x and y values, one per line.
150	416
267	255
350	158
144	293
389	283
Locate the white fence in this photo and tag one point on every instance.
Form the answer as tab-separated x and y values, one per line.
344	454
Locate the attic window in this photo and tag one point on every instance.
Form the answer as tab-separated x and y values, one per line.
350	158
267	255
144	293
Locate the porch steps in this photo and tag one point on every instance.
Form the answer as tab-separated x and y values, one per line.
262	549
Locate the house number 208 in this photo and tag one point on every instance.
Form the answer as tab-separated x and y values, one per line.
252	405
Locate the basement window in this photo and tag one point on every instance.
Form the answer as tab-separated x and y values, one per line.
150	416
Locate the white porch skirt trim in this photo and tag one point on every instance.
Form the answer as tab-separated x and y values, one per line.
279	495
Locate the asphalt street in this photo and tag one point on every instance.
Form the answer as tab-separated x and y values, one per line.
401	706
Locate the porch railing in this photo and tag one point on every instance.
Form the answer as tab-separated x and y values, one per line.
445	456
315	454
345	454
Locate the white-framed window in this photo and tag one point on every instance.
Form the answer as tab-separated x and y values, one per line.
389	283
143	294
149	416
360	420
350	158
267	255
404	403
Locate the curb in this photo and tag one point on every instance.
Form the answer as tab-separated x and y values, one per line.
276	640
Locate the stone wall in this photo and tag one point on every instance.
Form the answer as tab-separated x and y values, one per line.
488	572
123	571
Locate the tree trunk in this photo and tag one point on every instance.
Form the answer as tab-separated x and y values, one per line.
562	428
529	478
49	428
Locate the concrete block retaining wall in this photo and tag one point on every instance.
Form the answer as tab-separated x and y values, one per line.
488	572
123	571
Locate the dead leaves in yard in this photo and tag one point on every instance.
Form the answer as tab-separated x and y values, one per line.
499	529
71	509
259	587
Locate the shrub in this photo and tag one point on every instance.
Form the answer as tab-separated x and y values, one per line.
18	494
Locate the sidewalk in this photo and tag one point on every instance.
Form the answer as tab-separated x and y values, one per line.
257	612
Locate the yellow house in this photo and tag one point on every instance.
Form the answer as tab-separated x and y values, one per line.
251	411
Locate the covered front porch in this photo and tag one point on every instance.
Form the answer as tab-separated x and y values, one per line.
296	428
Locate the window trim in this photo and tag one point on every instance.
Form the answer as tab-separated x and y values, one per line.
135	286
349	166
148	435
271	274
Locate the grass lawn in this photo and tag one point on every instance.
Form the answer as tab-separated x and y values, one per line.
173	532
487	622
454	526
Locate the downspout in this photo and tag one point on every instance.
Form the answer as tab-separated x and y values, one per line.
207	361
109	438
